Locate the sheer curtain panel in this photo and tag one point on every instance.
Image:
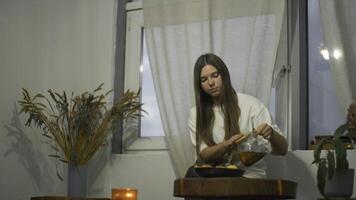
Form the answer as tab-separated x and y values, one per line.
338	19
244	33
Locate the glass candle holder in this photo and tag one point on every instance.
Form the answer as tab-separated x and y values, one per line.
123	194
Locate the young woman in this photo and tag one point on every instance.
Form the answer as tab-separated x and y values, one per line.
221	115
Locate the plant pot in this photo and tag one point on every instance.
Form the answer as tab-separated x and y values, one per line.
77	180
340	185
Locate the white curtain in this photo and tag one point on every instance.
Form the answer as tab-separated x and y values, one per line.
338	19
244	33
281	84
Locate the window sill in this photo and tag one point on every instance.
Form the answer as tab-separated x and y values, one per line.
148	144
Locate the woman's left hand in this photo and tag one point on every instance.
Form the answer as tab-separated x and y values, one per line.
264	130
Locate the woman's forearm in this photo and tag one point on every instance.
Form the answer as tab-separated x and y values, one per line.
279	144
214	153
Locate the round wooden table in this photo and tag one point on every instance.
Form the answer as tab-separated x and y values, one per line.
235	188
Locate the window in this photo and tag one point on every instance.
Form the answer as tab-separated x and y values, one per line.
151	124
147	132
314	106
324	112
138	75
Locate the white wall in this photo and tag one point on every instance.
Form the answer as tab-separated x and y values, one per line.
151	173
63	45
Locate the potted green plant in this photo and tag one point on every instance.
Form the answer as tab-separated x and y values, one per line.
79	125
334	178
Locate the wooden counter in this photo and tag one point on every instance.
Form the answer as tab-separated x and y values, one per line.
235	188
338	199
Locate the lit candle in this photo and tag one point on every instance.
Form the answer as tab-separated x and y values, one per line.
123	194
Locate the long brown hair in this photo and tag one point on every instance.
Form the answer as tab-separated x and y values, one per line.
204	103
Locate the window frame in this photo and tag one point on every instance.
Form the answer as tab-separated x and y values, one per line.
297	67
132	80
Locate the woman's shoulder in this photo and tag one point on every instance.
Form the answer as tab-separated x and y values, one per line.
246	99
250	104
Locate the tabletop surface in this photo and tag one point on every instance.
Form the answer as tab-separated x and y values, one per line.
338	199
241	188
65	198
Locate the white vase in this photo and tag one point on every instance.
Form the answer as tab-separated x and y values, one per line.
77	180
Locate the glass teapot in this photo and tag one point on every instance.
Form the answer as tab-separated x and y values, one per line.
253	149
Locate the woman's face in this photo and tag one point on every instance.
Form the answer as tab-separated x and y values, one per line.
210	80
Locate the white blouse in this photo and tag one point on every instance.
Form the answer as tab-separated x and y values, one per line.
253	113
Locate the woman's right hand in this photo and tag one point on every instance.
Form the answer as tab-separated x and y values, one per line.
235	139
214	153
